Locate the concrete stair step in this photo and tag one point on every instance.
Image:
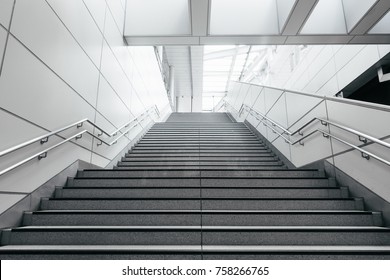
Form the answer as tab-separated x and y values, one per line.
192	252
200	142
203	167
204	203
91	192
204	182
197	145
266	157
205	218
196	154
196	235
204	174
200	149
204	138
201	164
203	132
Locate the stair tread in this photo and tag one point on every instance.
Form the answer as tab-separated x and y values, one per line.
238	175
211	198
197	248
207	228
163	211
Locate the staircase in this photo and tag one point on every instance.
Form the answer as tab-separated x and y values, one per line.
199	188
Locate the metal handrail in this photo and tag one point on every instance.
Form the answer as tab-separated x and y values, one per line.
115	132
45	138
264	117
43	154
362	136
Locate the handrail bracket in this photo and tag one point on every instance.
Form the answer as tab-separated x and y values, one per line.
362	139
44	140
42	156
364	155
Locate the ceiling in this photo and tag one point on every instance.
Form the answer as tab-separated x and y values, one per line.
212	42
256	22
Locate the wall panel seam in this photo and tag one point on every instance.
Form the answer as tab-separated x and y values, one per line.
57	75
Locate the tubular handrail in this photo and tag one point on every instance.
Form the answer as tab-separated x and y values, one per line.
264	117
362	136
323	97
115	132
43	154
45	138
42	138
365	154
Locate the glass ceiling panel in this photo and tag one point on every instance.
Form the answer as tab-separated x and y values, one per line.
138	21
354	10
284	10
255	17
327	18
383	26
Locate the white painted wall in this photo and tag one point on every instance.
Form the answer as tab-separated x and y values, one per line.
64	61
293	110
324	69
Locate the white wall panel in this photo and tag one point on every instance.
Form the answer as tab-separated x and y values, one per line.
81	25
117	112
42	97
383	50
63	156
3	37
241	96
260	103
97	9
360	63
370	173
136	105
51	79
368	120
5	12
300	82
262	128
99	161
279	115
46	36
114	150
309	75
330	88
278	112
320	61
150	74
11	136
118	12
299	105
270	97
114	75
252	95
8	200
346	54
322	77
184	103
282	147
112	34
